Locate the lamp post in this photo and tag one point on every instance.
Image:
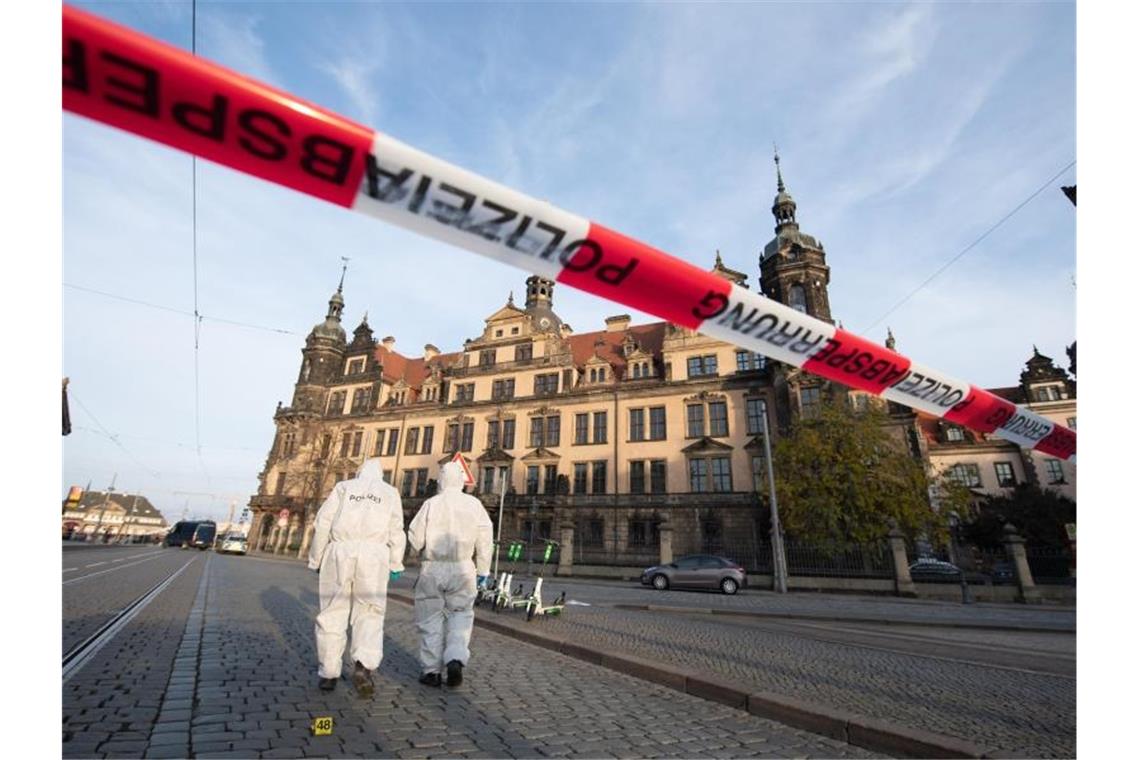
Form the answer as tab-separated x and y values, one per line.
779	562
499	527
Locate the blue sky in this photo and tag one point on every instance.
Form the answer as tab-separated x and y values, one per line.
905	131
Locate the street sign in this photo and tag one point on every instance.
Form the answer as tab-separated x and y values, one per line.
468	478
283	518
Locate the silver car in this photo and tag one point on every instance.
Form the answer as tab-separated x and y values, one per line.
233	544
697	571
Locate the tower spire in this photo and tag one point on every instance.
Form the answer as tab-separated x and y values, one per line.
779	177
343	269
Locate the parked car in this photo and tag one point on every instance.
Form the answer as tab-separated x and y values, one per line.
931	569
697	571
233	543
1001	572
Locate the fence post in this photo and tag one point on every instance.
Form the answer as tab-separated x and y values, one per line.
666	534
904	586
1027	592
566	552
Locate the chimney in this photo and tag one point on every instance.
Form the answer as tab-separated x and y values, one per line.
567	330
430	352
389	343
617	324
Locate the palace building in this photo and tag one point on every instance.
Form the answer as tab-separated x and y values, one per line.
610	437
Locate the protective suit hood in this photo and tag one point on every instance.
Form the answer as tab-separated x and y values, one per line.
450	477
371	470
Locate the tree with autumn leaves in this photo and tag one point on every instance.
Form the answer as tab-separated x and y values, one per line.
843	477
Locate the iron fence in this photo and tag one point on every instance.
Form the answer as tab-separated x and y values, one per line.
871	560
1050	565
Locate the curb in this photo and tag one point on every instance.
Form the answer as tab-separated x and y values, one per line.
869	733
840	618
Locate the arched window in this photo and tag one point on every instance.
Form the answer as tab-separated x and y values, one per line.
636	371
593	375
797	299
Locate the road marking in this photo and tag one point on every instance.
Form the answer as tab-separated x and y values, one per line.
70	569
120	559
80	655
95	564
147	558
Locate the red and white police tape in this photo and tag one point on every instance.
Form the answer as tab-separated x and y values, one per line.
130	81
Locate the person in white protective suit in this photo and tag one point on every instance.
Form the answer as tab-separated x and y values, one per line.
358	546
450	528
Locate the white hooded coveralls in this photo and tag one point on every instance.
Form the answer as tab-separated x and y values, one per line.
450	527
357	541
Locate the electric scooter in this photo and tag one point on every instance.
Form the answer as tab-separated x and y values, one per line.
533	603
503	595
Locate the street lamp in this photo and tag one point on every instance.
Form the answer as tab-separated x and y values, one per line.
499	527
779	561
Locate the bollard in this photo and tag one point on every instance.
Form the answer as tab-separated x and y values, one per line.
965	588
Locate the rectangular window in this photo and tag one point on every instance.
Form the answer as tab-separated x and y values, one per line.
502	390
718	418
809	403
637	477
360	399
508	434
721	474
601	425
759	475
336	404
411	440
579	477
696	421
280	484
954	434
468	441
429	433
493	434
465	392
698	478
357	440
408	482
488	480
523	352
550	479
599	480
546	385
326	444
644	533
657	423
393	441
694	366
532	479
553	430
756	408
1005	476
421	481
637	424
592	532
487	358
1054	470
355	366
581	428
657	476
451	442
966	475
537	426
345	442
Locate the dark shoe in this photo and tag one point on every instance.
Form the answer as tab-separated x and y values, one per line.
362	680
454	673
431	679
328	684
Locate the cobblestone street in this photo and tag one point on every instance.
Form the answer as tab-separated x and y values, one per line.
221	664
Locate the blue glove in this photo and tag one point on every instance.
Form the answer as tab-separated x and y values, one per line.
394	575
481	580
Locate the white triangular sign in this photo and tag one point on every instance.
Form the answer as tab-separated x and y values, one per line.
468	478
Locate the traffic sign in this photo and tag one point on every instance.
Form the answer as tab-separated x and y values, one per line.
468	478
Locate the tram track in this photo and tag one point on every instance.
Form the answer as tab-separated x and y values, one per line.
80	654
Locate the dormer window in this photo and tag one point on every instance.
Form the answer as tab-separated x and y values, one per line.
487	358
954	434
1048	393
355	366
